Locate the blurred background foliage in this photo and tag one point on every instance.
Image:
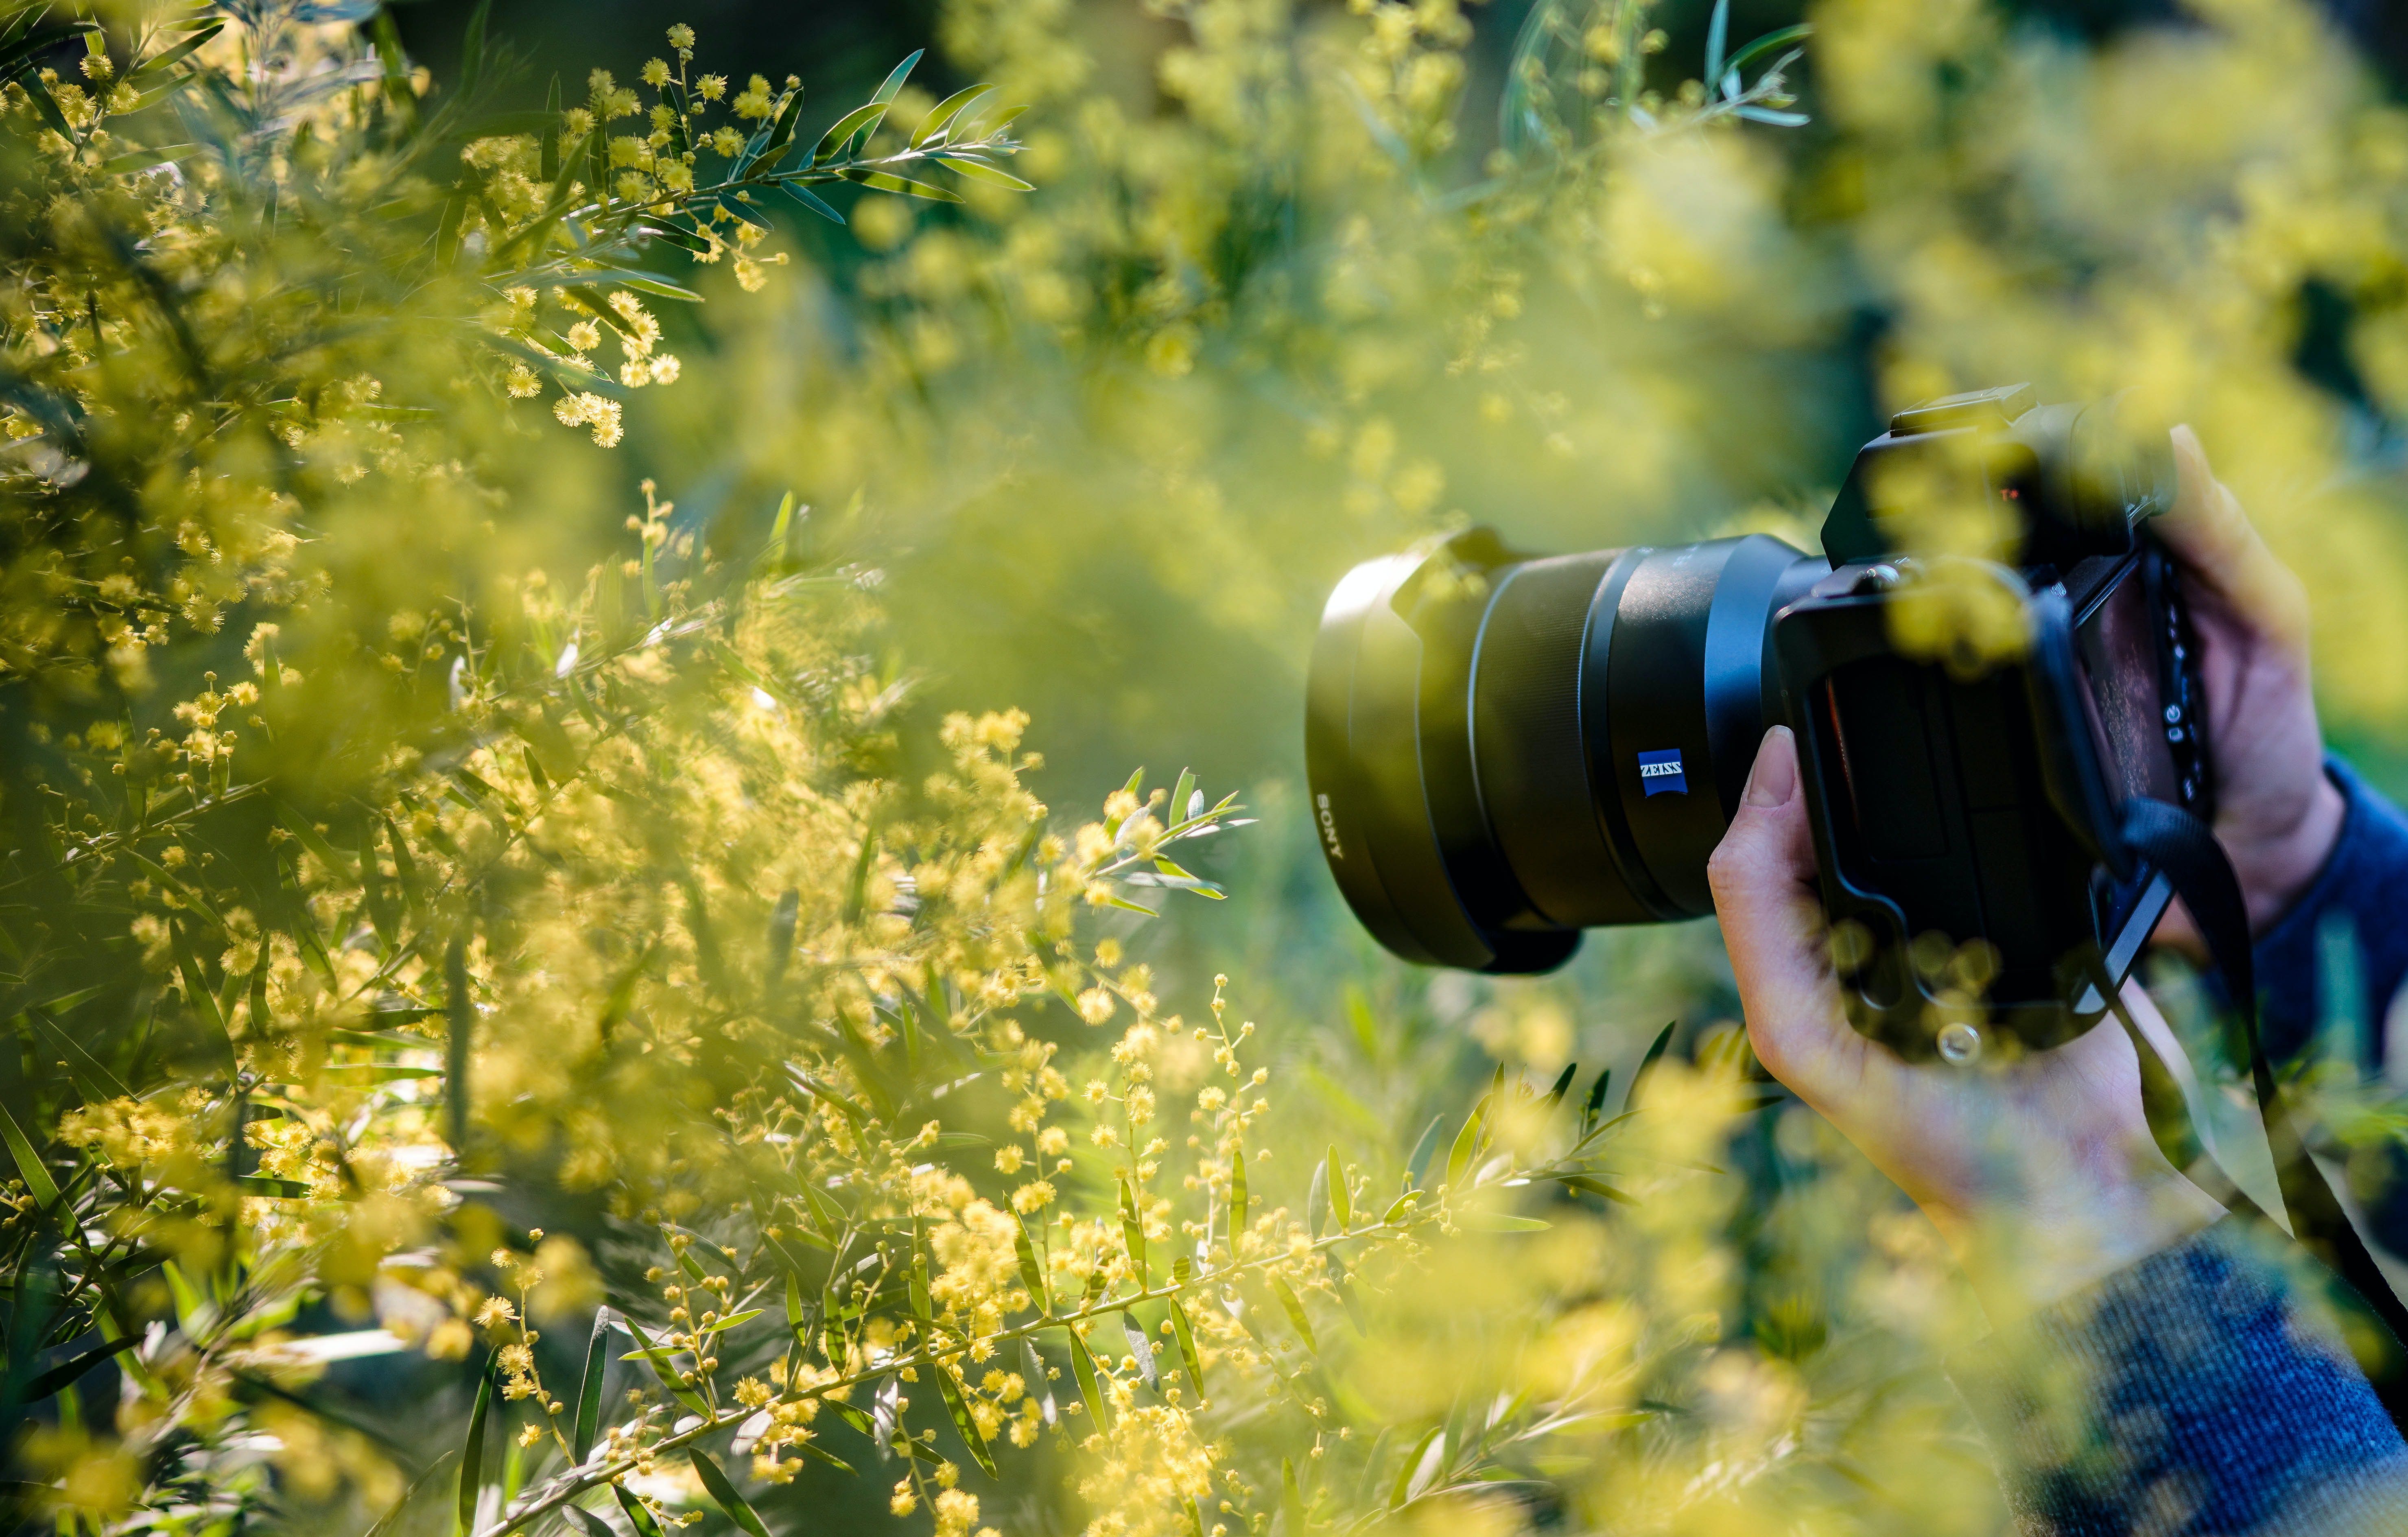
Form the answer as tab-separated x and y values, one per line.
1301	282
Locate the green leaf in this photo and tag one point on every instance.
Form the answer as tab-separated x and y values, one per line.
979	171
965	1426
1032	1274
1293	1306
723	1493
1126	906
1237	1196
658	1359
549	162
743	209
1133	1232
1341	1200
896	78
1185	1334
262	1184
157	63
589	1391
301	828
811	200
1754	50
142	160
1647	1065
782	134
658	288
1409	1477
1563	1085
1316	1200
636	1514
1083	1366
1399	1206
861	119
1498	1222
1597	1188
731	1321
889	181
68	1371
1466	1144
472	1456
932	127
1596	1099
1417	1165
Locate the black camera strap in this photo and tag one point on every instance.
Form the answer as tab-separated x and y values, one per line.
2186	852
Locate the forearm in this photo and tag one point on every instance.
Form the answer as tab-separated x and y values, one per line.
2199	1392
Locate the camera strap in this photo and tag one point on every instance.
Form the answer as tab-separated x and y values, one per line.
2184	849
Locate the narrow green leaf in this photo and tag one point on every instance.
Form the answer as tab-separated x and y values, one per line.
812	201
658	1359
1597	1188
589	1391
731	1321
782	134
1083	1366
1032	1274
1399	1206
1751	51
472	1456
30	1167
861	119
142	160
1341	1200
68	1371
1417	1165
1647	1065
979	171
1563	1085
1133	1232
1140	1346
894	79
311	838
640	1518
1408	1470
657	287
932	127
1293	1306
1316	1200
1185	1334
1466	1144
965	1426
889	181
1596	1099
723	1493
1498	1222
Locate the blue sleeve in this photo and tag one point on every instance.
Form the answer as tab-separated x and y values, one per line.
2202	1390
2353	918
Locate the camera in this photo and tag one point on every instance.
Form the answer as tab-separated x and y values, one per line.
1504	749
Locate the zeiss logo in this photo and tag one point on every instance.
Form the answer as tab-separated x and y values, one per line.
1660	774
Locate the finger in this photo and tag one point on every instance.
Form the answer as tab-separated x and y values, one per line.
1763	880
2222	553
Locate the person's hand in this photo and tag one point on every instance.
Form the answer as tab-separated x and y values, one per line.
2276	814
2039	1173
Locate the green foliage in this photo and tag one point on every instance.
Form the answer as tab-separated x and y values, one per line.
441	919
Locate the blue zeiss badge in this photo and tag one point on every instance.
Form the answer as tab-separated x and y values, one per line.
1659	773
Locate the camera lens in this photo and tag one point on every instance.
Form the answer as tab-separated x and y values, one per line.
1504	750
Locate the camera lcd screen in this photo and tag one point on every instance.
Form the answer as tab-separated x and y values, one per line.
2116	641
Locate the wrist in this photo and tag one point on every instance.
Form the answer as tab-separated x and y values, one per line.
2278	864
2025	1255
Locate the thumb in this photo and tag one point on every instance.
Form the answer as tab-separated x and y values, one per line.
2223	554
1763	880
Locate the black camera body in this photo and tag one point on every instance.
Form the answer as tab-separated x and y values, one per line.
1503	749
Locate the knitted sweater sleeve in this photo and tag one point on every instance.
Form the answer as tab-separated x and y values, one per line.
2202	1391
